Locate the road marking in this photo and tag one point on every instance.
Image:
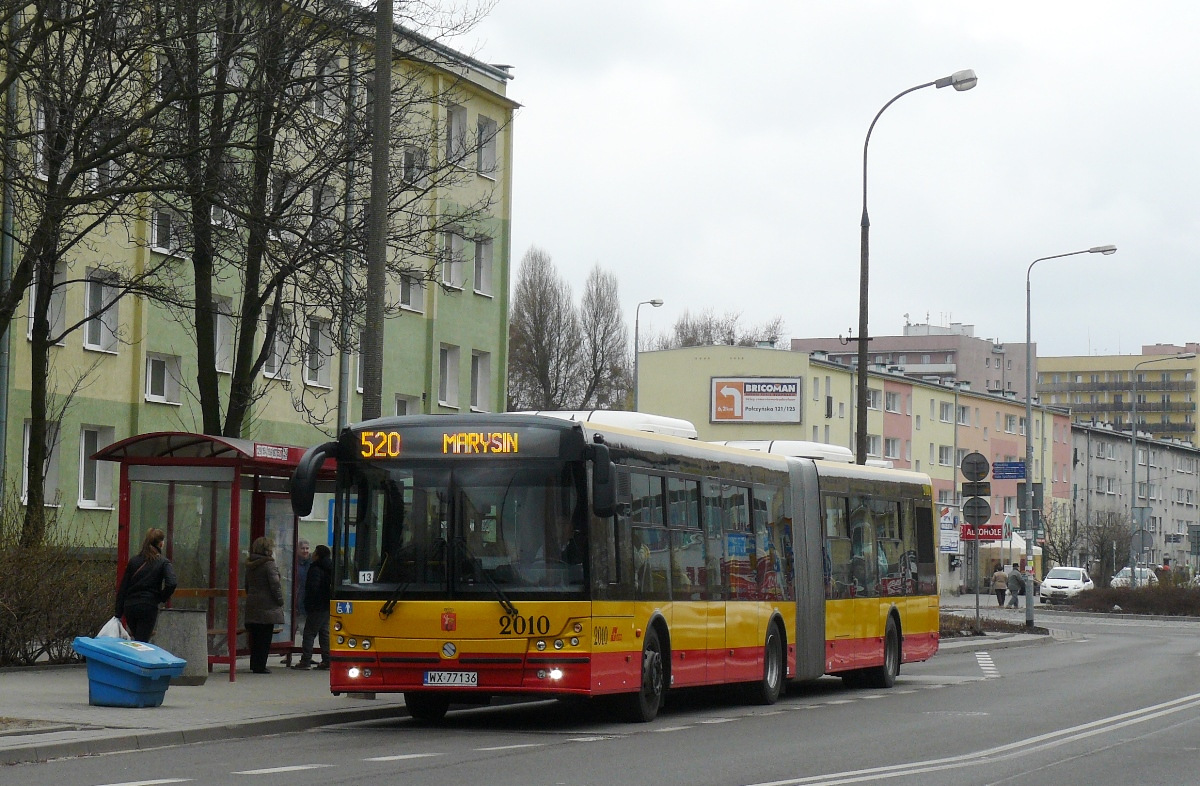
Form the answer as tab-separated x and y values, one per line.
1018	749
985	663
150	783
841	701
291	768
402	757
907	690
671	728
512	747
719	720
872	696
588	739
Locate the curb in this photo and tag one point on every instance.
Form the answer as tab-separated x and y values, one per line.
157	739
973	643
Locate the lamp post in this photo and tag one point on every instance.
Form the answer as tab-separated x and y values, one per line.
960	81
1106	250
1137	524
637	314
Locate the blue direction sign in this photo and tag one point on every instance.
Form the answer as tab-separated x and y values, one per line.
1008	470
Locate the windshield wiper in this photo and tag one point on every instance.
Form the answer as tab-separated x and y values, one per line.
389	605
507	604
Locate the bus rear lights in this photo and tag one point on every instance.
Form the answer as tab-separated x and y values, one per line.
352	643
574	641
353	673
578	627
540	646
558	644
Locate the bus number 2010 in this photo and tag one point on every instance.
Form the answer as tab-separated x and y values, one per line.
521	626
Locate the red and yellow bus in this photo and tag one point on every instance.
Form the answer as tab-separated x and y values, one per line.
480	555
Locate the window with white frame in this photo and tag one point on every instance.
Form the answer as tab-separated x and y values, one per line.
483	265
359	371
874	398
318	356
408	405
327	98
100	311
324	210
873	444
481	381
485	162
452	260
49	466
816	388
448	375
412	292
456	133
891	447
891	402
95	477
1021	426
166	229
1010	506
223	333
964	416
162	378
415	162
946	412
56	315
1010	424
959	456
40	141
166	80
276	365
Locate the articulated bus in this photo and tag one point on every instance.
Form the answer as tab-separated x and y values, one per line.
481	555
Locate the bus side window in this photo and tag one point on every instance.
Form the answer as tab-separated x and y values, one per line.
926	550
739	543
837	547
864	562
714	541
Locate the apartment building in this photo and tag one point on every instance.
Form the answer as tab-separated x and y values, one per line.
1099	389
131	367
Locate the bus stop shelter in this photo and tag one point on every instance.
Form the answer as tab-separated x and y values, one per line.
212	496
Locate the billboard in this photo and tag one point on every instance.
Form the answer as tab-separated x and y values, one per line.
755	400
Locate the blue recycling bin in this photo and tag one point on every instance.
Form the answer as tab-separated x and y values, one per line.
123	673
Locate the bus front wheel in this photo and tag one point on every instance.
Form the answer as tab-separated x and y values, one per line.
643	706
426	707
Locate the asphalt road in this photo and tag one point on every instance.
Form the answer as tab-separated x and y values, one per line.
1118	704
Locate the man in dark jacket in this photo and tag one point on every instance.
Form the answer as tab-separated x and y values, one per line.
318	591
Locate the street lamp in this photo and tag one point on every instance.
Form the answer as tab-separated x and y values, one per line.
960	81
1106	250
1137	524
637	314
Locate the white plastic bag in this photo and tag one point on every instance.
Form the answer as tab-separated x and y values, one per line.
113	629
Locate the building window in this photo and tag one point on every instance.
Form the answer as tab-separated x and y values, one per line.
407	405
456	133
412	292
874	399
485	162
416	164
1010	424
323	219
1010	506
95	477
873	445
891	402
946	412
166	229
925	360
483	265
327	99
891	448
964	416
318	353
448	375
481	381
276	365
223	333
162	378
452	260
100	311
917	423
50	472
57	313
816	388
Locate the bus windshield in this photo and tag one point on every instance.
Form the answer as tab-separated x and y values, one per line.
467	530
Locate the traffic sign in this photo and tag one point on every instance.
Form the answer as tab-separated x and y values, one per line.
976	511
1008	470
974	466
977	489
1142	541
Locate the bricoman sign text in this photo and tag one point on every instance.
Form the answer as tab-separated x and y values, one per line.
755	400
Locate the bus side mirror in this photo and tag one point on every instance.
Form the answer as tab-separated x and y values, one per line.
604	487
304	480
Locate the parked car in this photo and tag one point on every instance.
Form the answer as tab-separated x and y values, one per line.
1145	577
1062	584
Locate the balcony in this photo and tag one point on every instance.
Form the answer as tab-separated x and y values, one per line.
1151	406
1149	386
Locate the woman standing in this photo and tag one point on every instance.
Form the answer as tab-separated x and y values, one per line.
148	581
999	584
264	602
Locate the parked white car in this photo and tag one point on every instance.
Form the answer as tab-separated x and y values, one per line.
1145	578
1062	584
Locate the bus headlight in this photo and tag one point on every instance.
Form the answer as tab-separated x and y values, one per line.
353	673
341	639
556	674
541	645
574	642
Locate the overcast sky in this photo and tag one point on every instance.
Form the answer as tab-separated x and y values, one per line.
710	154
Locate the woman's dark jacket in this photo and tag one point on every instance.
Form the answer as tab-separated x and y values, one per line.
146	583
264	592
318	586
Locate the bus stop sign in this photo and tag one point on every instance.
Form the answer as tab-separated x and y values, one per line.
975	467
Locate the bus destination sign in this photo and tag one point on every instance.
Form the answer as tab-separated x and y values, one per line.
423	442
480	442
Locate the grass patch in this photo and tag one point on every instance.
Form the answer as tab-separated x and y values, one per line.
957	625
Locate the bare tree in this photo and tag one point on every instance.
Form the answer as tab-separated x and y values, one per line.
707	328
1107	537
545	339
1063	537
605	358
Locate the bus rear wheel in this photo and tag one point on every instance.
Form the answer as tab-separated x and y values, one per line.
885	676
767	690
426	707
643	706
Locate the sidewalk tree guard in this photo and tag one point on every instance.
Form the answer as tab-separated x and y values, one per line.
212	496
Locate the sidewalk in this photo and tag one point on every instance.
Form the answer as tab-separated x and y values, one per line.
44	711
